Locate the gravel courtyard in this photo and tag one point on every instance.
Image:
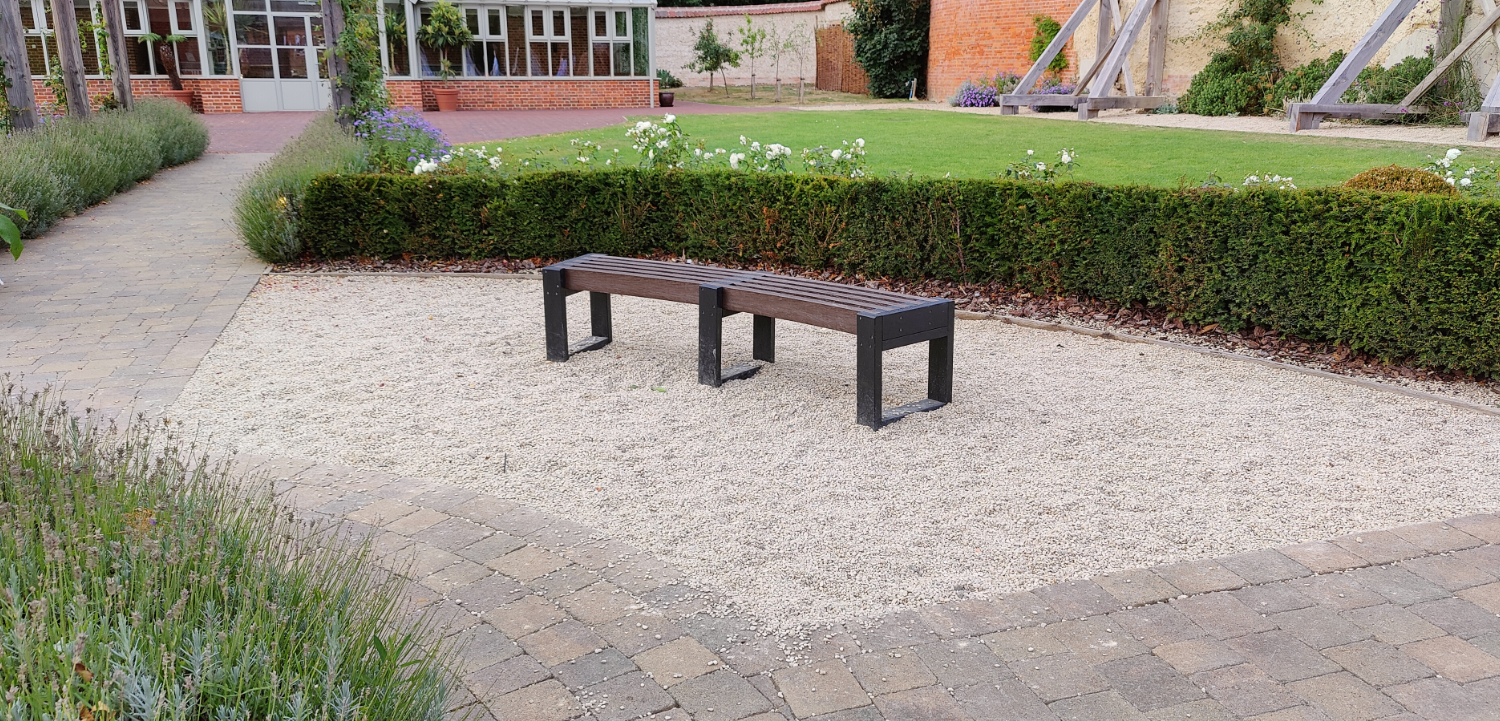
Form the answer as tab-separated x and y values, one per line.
1061	457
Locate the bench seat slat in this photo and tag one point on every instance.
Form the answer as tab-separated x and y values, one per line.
797	310
868	297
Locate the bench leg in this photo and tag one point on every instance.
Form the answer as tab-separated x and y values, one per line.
940	369
711	340
867	390
599	316
765	339
555	311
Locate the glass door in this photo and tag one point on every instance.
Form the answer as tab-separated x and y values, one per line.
280	49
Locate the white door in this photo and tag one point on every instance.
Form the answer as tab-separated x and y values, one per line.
279	52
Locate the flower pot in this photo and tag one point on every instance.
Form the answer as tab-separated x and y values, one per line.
447	99
665	99
182	96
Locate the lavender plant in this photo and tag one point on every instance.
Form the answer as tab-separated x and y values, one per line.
399	139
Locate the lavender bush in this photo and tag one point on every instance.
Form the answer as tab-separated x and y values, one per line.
399	139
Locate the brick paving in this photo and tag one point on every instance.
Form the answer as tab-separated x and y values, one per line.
558	621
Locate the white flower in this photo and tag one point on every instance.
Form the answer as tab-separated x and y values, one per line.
698	152
447	158
1031	152
611	161
669	118
734	160
1448	181
1466	182
644	124
1066	158
1453	153
424	166
662	144
1041	166
755	145
743	140
859	142
836	154
583	159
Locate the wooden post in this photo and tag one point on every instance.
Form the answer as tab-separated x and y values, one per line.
1450	25
17	69
338	66
1105	32
1156	53
1053	48
119	55
70	57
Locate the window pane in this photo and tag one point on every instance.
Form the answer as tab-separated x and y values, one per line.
295	6
139	55
251	30
431	59
255	63
34	56
539	63
620	23
622	58
515	33
292	61
601	59
580	38
640	27
560	65
472	60
315	23
184	13
536	24
496	26
216	23
89	43
189	60
250	5
290	32
559	24
495	59
471	19
28	20
322	63
132	16
395	39
600	24
159	17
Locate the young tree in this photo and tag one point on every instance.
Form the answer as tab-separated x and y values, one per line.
776	47
710	55
796	45
753	40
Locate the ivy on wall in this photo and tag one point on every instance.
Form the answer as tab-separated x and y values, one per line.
890	43
359	46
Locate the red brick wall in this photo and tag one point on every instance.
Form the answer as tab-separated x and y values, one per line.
971	39
527	94
211	95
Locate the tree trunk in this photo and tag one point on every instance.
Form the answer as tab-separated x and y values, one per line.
338	65
13	50
167	55
119	55
70	57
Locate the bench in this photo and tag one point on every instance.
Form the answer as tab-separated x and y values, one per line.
880	320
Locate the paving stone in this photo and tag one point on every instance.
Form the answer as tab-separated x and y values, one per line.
675	662
1453	658
920	704
1058	677
1448	572
1437	537
445	499
1222	615
1378	547
1008	700
1148	682
528	563
881	674
1392	624
1282	656
545	701
1030	608
832	642
1484	526
600	603
767	687
1486	597
1398	585
1098	639
1204	576
820	688
1157	624
1322	557
958	619
487	594
1295	713
448	617
961	662
526	616
676	601
1338	591
495	545
1137	587
638	632
1319	627
593	668
1484	558
1342	697
563	582
496	680
382	512
1440	698
1105	705
422	559
516	520
455	534
628	696
599	555
768	716
482	646
863	713
1376	663
1078	599
1197	655
455	576
1264	566
720	696
1458	617
1245	690
897	630
411	523
560	643
717	632
1204	710
1273	598
763	655
1024	643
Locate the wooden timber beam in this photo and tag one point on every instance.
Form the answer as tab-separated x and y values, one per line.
70	57
1301	116
1059	41
17	68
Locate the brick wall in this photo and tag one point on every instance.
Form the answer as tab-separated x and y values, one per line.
971	39
527	94
210	95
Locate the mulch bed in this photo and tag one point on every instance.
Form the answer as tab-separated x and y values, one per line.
995	298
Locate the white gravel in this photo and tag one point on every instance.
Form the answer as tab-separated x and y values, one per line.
1062	456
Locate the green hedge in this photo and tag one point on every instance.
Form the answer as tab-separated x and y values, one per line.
1400	276
265	211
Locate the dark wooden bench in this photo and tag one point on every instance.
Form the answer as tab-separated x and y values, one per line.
880	320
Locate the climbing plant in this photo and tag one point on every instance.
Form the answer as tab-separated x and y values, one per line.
359	46
890	43
1046	30
1239	77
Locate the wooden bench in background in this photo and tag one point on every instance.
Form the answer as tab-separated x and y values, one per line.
880	320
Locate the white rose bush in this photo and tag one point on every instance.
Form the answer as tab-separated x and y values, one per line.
1476	180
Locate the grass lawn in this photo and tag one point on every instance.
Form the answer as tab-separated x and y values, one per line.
765	96
936	143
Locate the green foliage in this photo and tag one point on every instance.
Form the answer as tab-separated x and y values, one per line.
753	45
68	164
142	581
1386	86
1395	178
1046	30
6	111
890	43
359	46
266	211
1239	78
666	79
10	233
1302	82
54	82
445	29
1399	276
711	55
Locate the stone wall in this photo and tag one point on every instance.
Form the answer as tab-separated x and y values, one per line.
677	29
976	38
527	94
211	95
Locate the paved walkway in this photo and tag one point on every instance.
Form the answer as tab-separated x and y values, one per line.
560	622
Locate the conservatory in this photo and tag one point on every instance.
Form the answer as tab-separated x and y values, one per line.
268	55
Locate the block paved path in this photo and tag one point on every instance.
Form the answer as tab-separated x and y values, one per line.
560	622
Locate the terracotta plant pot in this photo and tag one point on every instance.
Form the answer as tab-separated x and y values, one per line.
447	99
665	99
182	96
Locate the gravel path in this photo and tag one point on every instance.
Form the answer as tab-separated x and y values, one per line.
1062	457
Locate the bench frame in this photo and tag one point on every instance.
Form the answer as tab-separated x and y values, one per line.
924	319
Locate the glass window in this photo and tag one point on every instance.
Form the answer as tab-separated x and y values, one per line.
251	30
183	13
256	63
133	16
216	27
471	19
641	29
495	26
395	40
515	39
579	38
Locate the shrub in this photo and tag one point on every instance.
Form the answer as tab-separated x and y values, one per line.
666	79
1046	30
1394	178
1240	76
1302	82
399	139
1399	276
142	581
266	210
67	165
890	43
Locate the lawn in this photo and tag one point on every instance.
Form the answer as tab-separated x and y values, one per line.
937	143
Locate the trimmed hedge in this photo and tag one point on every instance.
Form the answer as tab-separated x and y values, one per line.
1397	275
